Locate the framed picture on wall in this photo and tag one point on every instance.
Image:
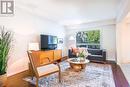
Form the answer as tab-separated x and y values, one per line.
60	40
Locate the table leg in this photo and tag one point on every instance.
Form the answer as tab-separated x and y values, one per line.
83	66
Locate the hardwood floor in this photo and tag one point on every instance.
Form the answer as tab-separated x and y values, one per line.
120	80
17	80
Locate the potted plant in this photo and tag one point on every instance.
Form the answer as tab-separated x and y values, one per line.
83	53
5	40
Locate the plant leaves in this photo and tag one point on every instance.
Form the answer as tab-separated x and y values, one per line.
5	40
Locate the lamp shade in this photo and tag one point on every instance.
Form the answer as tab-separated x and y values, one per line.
71	38
33	46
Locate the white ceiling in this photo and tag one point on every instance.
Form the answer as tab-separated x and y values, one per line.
67	12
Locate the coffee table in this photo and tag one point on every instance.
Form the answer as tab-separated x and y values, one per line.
77	64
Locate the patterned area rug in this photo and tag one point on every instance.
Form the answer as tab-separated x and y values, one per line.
95	75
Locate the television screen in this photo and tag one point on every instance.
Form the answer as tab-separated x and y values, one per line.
48	42
52	39
55	40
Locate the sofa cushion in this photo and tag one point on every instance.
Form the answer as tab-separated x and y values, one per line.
74	51
96	55
95	51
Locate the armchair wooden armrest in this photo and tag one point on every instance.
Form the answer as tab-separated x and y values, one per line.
57	64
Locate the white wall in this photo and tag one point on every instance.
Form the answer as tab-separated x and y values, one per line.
108	36
27	28
123	32
123	41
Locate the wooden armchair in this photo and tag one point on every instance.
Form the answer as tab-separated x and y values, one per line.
41	70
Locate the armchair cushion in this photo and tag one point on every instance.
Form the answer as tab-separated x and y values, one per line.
44	70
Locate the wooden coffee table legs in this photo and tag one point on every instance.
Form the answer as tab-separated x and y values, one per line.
77	67
83	66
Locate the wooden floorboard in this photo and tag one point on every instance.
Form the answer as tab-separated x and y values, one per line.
17	80
120	80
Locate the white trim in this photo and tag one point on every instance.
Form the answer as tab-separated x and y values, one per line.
123	10
92	24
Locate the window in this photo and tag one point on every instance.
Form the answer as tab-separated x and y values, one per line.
89	39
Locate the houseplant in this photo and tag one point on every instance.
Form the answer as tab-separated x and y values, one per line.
5	40
82	54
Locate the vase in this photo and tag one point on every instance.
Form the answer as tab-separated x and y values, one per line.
82	59
3	80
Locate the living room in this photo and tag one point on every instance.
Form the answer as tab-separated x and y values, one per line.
65	19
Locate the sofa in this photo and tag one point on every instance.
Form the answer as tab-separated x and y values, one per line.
97	55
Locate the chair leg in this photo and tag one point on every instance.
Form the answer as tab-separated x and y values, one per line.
59	76
32	77
37	82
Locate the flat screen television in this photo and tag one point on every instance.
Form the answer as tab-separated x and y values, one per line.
48	42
